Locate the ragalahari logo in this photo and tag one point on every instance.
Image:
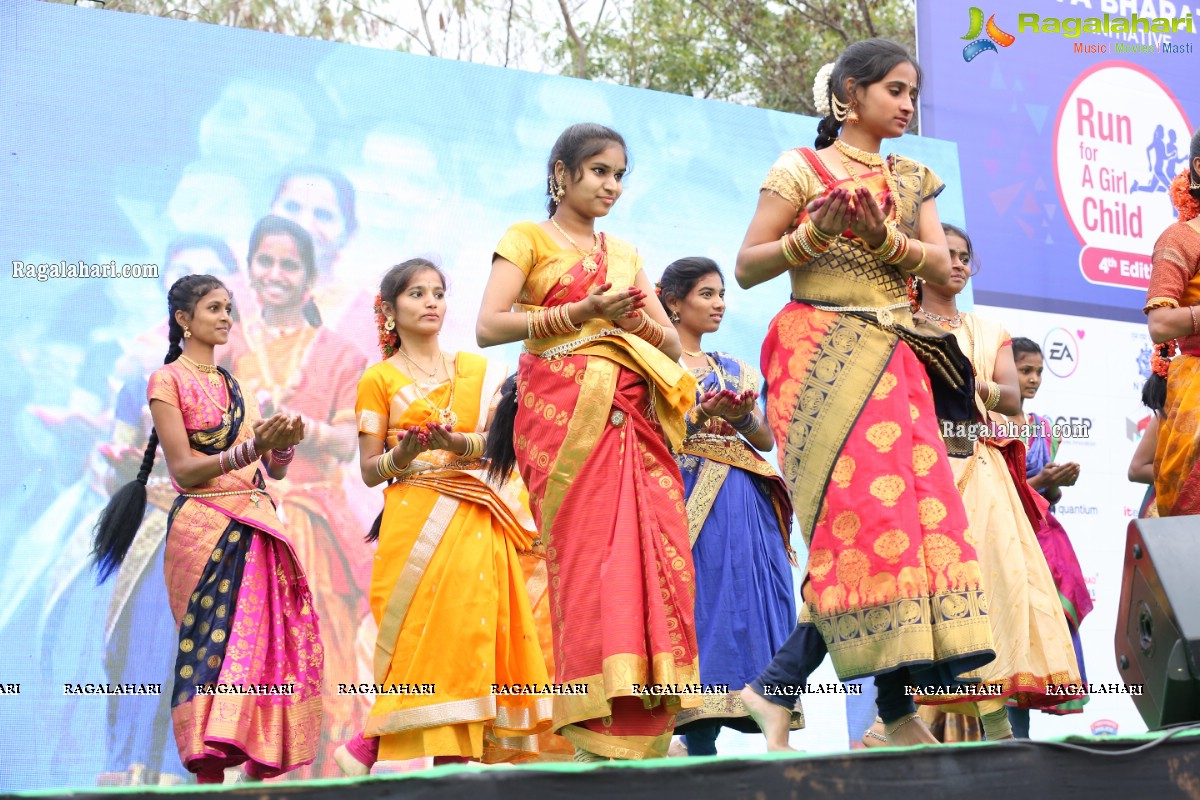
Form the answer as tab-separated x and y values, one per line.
995	35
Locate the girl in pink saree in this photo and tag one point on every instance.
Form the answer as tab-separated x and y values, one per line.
247	685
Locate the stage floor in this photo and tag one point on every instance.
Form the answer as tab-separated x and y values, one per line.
1157	766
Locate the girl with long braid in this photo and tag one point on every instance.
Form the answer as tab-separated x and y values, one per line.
247	686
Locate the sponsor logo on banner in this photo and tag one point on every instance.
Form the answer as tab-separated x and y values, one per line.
1104	727
1120	138
995	36
1061	352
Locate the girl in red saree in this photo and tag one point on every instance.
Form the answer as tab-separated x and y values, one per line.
248	668
1173	316
854	395
599	396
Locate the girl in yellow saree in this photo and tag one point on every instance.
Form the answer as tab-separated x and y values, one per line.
1173	316
458	671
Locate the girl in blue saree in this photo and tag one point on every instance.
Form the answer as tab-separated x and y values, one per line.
739	514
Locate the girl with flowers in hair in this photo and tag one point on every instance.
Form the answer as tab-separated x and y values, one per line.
447	587
245	614
855	391
1173	390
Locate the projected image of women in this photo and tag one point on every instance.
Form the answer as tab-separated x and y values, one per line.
322	201
293	364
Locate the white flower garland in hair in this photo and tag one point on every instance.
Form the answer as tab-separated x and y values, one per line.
821	88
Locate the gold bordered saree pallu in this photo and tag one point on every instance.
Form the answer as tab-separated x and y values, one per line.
855	394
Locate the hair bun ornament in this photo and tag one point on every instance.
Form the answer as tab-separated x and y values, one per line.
821	90
1181	196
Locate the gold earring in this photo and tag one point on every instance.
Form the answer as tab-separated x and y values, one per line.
187	333
675	316
852	117
557	190
390	325
839	108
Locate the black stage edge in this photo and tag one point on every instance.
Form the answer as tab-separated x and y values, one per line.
1154	766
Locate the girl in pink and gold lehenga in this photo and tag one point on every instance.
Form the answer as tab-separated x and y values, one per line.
247	684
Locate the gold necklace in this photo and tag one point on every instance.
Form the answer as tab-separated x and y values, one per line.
446	416
858	154
950	322
226	417
700	354
431	373
589	262
868	160
210	372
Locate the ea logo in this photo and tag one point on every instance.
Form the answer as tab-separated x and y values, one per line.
1061	352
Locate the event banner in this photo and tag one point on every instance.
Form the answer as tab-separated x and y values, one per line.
1072	119
138	149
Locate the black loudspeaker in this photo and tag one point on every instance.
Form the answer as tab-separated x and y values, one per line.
1158	627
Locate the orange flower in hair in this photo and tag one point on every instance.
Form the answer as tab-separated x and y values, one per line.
1187	206
658	288
1160	362
914	294
387	339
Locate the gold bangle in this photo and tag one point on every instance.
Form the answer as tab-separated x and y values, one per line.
789	256
820	235
529	324
993	398
921	263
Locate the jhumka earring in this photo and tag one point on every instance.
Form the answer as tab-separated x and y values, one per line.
852	117
557	192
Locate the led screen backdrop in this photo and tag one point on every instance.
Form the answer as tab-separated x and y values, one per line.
137	147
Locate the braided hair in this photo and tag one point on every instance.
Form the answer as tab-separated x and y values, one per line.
121	518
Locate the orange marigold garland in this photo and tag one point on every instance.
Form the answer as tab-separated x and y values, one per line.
388	340
1187	206
1160	362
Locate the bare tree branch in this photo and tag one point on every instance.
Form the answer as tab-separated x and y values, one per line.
416	37
865	7
803	9
580	45
430	45
508	30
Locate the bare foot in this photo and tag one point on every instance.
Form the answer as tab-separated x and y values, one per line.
349	765
772	719
678	748
909	731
